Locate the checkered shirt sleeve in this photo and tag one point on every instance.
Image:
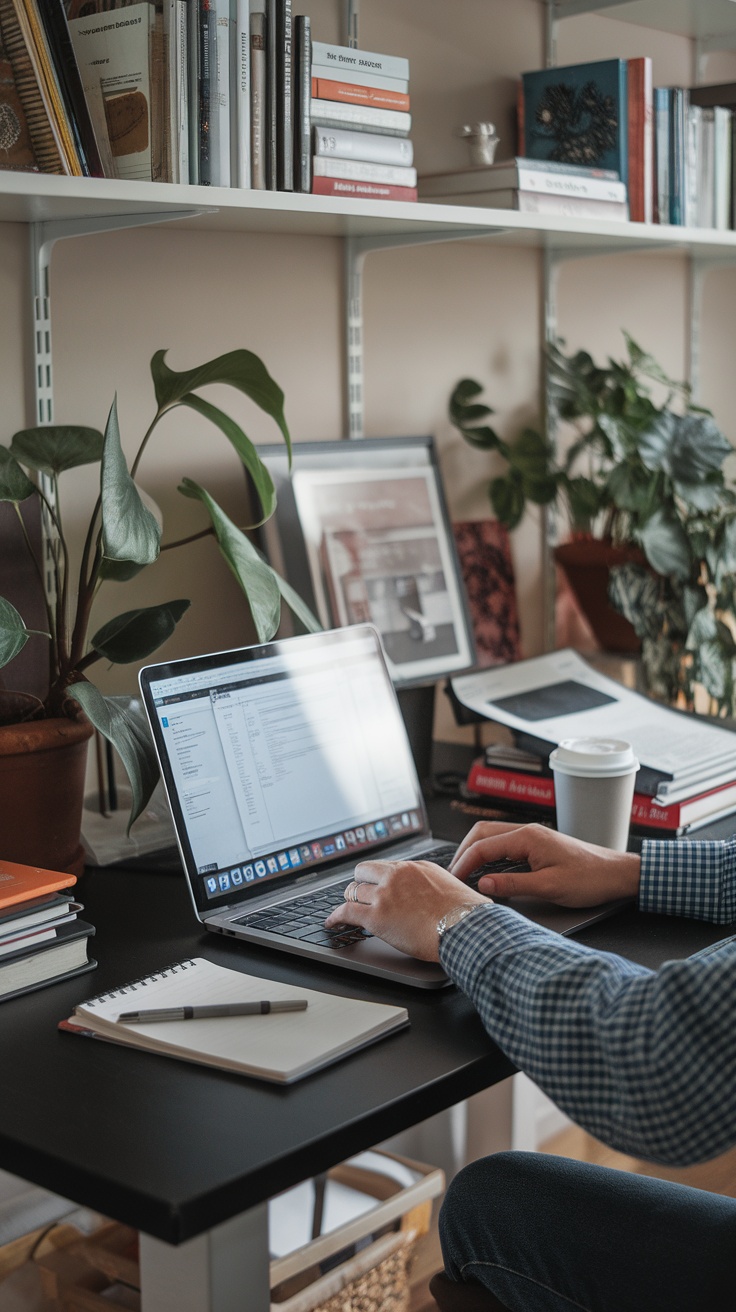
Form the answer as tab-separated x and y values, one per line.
690	879
644	1060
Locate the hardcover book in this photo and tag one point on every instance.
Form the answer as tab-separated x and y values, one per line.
336	113
240	169
302	103
394	174
662	97
533	202
20	883
272	96
326	89
527	788
342	143
352	187
31	968
17	144
56	29
641	140
360	79
590	184
258	104
115	63
578	115
284	97
345	58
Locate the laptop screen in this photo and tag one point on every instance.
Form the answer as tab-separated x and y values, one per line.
280	759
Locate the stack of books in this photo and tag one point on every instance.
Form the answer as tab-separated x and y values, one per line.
694	129
520	781
533	187
213	92
687	774
41	937
361	120
46	122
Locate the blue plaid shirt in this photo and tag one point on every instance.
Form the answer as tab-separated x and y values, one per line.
644	1060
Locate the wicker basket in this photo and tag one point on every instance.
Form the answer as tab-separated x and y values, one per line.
376	1278
99	1273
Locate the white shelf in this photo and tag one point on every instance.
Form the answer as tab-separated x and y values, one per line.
701	19
28	198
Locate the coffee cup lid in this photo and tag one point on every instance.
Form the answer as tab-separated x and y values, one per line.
598	757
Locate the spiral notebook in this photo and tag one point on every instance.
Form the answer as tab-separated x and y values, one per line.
282	1047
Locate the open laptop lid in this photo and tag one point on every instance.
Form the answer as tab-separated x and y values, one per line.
281	759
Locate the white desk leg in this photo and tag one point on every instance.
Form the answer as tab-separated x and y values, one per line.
224	1270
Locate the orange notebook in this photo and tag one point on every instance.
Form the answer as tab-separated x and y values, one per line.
19	883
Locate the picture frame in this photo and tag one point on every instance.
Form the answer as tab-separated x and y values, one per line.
361	531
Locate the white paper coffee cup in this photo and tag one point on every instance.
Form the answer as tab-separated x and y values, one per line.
594	789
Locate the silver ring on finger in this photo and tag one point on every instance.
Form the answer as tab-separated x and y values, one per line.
351	892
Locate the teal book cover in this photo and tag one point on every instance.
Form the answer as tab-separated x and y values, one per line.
577	115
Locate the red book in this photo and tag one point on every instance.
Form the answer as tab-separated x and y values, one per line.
518	788
641	140
372	190
324	88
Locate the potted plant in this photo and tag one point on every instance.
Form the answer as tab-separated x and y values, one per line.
643	489
40	817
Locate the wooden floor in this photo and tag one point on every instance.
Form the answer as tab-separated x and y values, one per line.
717	1176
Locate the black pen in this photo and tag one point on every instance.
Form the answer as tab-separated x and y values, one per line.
216	1009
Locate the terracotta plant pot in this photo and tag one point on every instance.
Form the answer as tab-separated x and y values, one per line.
586	563
42	769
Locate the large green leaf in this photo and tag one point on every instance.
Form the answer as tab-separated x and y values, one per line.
705	495
687	447
703	628
632	488
13	633
129	531
130	740
15	485
584	499
665	546
256	578
295	604
136	633
462	394
714	669
240	369
507	500
57	447
531	454
634	592
262	480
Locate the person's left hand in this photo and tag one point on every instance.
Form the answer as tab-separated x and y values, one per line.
401	902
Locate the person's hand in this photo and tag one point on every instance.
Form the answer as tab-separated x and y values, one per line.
563	870
401	902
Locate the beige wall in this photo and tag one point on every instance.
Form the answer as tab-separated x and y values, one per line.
433	313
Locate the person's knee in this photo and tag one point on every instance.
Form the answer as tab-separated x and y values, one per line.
478	1201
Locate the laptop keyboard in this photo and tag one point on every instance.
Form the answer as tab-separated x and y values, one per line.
303	917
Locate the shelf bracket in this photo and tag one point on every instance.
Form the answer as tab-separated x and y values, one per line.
356	250
350	20
42	239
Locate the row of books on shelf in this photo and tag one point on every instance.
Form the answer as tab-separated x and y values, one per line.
215	92
42	938
599	140
521	782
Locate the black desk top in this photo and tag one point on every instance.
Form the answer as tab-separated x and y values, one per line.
173	1148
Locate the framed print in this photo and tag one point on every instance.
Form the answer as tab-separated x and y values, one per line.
361	531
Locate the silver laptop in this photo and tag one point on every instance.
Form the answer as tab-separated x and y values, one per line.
285	764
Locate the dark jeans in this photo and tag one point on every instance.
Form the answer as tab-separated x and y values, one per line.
546	1234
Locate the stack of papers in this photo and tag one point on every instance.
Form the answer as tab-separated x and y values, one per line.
559	695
